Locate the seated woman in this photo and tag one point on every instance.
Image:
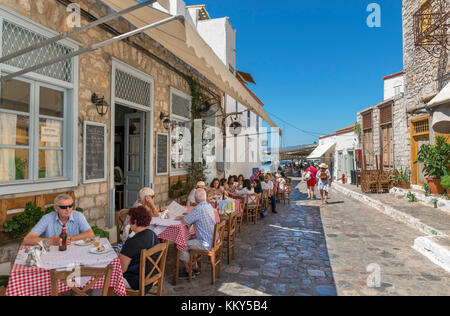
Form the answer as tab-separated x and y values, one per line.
215	193
223	183
130	255
247	189
229	187
239	185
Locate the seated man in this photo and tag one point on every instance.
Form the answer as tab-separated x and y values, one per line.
50	226
130	255
191	197
203	219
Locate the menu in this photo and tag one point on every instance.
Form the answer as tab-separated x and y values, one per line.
94	152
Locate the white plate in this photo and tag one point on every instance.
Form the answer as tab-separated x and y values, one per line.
94	250
82	243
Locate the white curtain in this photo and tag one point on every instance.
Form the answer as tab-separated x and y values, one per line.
8	128
53	158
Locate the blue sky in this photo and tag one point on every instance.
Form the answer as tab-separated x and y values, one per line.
316	63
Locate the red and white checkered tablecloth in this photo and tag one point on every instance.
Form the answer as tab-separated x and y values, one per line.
33	281
180	234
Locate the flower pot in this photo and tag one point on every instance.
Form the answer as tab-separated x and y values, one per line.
404	185
435	186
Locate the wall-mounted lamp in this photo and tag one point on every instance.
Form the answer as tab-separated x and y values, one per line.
166	121
100	103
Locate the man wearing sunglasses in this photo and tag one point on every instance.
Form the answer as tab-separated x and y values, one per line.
50	226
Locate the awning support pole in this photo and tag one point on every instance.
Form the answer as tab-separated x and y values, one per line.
75	31
91	47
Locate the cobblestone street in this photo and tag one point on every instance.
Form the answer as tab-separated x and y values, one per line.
307	250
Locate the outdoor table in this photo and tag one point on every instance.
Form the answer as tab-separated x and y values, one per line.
35	281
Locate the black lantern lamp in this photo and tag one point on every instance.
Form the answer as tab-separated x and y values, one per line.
166	121
100	103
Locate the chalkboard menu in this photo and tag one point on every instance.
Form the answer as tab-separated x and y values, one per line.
94	152
162	153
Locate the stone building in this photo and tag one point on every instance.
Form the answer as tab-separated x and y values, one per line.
55	139
426	71
383	129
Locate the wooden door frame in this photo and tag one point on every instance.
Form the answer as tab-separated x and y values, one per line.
413	143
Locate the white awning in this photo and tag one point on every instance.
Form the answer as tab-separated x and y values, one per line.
182	40
440	107
320	151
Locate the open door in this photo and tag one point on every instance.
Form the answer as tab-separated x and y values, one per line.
134	157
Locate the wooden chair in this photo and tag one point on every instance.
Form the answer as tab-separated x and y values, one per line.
287	192
182	200
215	254
158	265
265	200
97	273
230	235
120	220
252	206
240	216
384	182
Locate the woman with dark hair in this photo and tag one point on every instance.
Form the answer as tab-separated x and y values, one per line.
215	193
229	187
223	183
130	255
247	189
257	186
239	185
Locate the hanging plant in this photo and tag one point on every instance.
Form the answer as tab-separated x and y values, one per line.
357	129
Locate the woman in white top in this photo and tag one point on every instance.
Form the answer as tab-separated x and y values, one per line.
324	182
247	189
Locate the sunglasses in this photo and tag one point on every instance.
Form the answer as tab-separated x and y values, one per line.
65	207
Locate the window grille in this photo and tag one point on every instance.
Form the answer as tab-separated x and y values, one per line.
181	106
15	37
421	127
132	89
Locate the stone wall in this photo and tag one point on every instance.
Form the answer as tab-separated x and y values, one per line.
425	75
94	76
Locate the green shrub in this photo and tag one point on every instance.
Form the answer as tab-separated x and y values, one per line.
21	224
100	232
411	197
445	182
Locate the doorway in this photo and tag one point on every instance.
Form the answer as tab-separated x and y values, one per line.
129	155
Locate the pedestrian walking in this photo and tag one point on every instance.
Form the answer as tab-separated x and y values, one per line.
310	177
324	182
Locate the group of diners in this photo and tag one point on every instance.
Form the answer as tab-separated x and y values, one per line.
202	217
239	187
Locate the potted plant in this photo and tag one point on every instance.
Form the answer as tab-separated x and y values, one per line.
401	178
436	159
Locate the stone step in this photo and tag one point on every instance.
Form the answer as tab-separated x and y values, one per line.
436	249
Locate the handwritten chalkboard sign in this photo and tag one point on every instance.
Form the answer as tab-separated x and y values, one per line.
94	152
162	153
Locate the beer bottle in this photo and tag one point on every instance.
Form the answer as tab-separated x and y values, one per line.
63	240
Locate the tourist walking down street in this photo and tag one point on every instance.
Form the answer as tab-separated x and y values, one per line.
311	180
324	182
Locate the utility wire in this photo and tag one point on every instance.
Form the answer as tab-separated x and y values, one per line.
314	134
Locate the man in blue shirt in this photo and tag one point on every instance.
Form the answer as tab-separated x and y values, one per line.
204	220
50	226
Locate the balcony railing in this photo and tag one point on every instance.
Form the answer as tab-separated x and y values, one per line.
431	27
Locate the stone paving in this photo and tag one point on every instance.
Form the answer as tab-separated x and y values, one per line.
306	250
